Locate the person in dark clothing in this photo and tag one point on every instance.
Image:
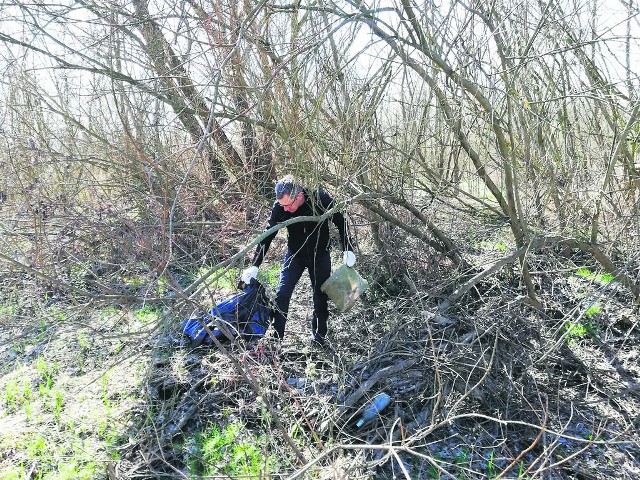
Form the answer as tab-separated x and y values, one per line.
307	248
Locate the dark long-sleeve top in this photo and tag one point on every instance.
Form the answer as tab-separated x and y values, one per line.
305	238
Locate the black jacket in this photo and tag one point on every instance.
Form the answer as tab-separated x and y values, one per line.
305	238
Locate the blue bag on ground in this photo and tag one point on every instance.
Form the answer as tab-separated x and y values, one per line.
246	314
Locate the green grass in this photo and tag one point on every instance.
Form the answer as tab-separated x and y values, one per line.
579	330
83	340
54	460
147	314
53	398
75	471
133	281
18	394
66	426
593	310
461	459
492	470
500	246
270	275
14	473
7	311
70	449
12	395
47	371
521	470
56	402
56	314
600	277
228	451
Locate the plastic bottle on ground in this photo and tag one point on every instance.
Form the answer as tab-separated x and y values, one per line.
378	403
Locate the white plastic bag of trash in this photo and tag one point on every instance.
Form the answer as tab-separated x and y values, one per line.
344	287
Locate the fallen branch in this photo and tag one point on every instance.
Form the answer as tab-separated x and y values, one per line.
444	306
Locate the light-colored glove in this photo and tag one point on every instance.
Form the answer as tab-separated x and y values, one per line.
349	258
248	274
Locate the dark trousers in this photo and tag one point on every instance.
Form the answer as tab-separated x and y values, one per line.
293	266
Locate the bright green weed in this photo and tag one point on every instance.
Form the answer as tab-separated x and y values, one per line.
12	395
57	400
83	340
112	438
578	330
20	346
147	314
14	473
27	393
43	326
133	282
500	245
57	314
47	371
75	471
491	467
270	276
28	411
163	285
593	310
7	310
54	461
521	470
227	279
228	451
601	277
37	447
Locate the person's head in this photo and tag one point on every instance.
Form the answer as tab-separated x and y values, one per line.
289	193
